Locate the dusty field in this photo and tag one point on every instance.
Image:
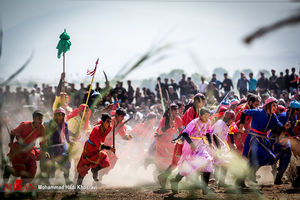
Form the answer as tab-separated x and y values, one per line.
273	192
131	180
284	191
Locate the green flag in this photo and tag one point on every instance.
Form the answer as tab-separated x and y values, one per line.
63	44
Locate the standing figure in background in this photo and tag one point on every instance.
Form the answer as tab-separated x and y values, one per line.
227	84
252	84
262	84
242	85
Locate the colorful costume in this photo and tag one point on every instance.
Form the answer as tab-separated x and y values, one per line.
57	139
23	154
113	158
164	147
289	142
77	136
222	131
141	134
92	155
188	116
200	159
238	112
258	148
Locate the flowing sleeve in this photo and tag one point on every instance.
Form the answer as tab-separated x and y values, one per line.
160	126
18	130
190	127
251	112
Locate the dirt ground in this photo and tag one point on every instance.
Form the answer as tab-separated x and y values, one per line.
284	191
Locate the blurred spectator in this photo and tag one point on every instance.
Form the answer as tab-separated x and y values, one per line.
203	86
273	86
252	83
157	87
130	92
214	80
98	88
183	85
173	95
165	88
174	85
242	85
191	87
138	97
227	84
213	92
293	81
262	84
287	80
281	84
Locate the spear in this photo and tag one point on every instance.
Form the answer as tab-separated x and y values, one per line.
114	133
170	112
103	92
161	97
224	99
91	73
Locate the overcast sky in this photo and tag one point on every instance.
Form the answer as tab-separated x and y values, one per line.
204	35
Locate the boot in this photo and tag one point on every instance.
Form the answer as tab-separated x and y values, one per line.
174	183
252	174
79	182
240	182
6	172
67	180
222	177
205	188
95	173
162	178
296	183
278	178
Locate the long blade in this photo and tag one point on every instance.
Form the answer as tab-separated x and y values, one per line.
19	71
105	76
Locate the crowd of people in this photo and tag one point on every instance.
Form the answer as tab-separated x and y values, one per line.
182	125
282	86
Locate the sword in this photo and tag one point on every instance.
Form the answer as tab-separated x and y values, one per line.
52	146
123	123
106	80
116	129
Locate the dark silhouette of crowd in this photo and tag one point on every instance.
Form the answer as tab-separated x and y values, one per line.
281	86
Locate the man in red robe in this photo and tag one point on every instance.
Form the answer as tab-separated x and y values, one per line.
93	157
120	129
23	154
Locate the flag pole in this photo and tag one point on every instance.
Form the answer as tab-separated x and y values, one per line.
64	59
87	99
64	64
